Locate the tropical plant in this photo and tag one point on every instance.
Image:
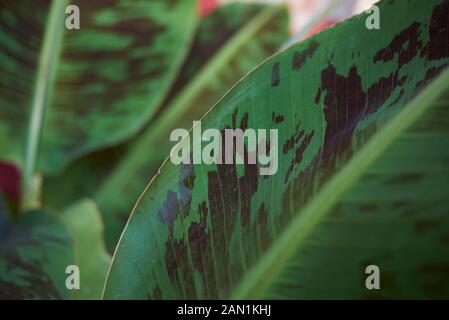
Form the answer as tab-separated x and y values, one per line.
362	175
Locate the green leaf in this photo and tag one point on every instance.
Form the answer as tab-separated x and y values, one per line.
80	90
246	43
228	44
84	222
362	176
34	256
394	215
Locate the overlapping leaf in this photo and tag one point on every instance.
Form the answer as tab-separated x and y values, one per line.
92	87
339	100
36	249
84	222
229	43
34	256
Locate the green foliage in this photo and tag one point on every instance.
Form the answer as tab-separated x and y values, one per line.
33	256
362	117
355	117
228	44
75	91
36	249
84	223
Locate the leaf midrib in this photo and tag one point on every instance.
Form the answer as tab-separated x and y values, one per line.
48	60
260	276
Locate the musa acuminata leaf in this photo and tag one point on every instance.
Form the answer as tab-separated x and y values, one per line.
228	44
34	256
36	250
362	176
64	93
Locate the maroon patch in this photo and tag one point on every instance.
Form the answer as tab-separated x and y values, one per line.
277	118
275	75
177	265
406	44
10	181
300	58
436	48
299	153
344	106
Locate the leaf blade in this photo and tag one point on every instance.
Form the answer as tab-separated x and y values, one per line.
96	65
294	235
206	226
227	45
34	256
84	223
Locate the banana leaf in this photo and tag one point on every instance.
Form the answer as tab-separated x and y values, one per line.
64	93
37	247
228	44
86	227
34	256
362	176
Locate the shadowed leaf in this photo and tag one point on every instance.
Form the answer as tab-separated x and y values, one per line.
33	256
